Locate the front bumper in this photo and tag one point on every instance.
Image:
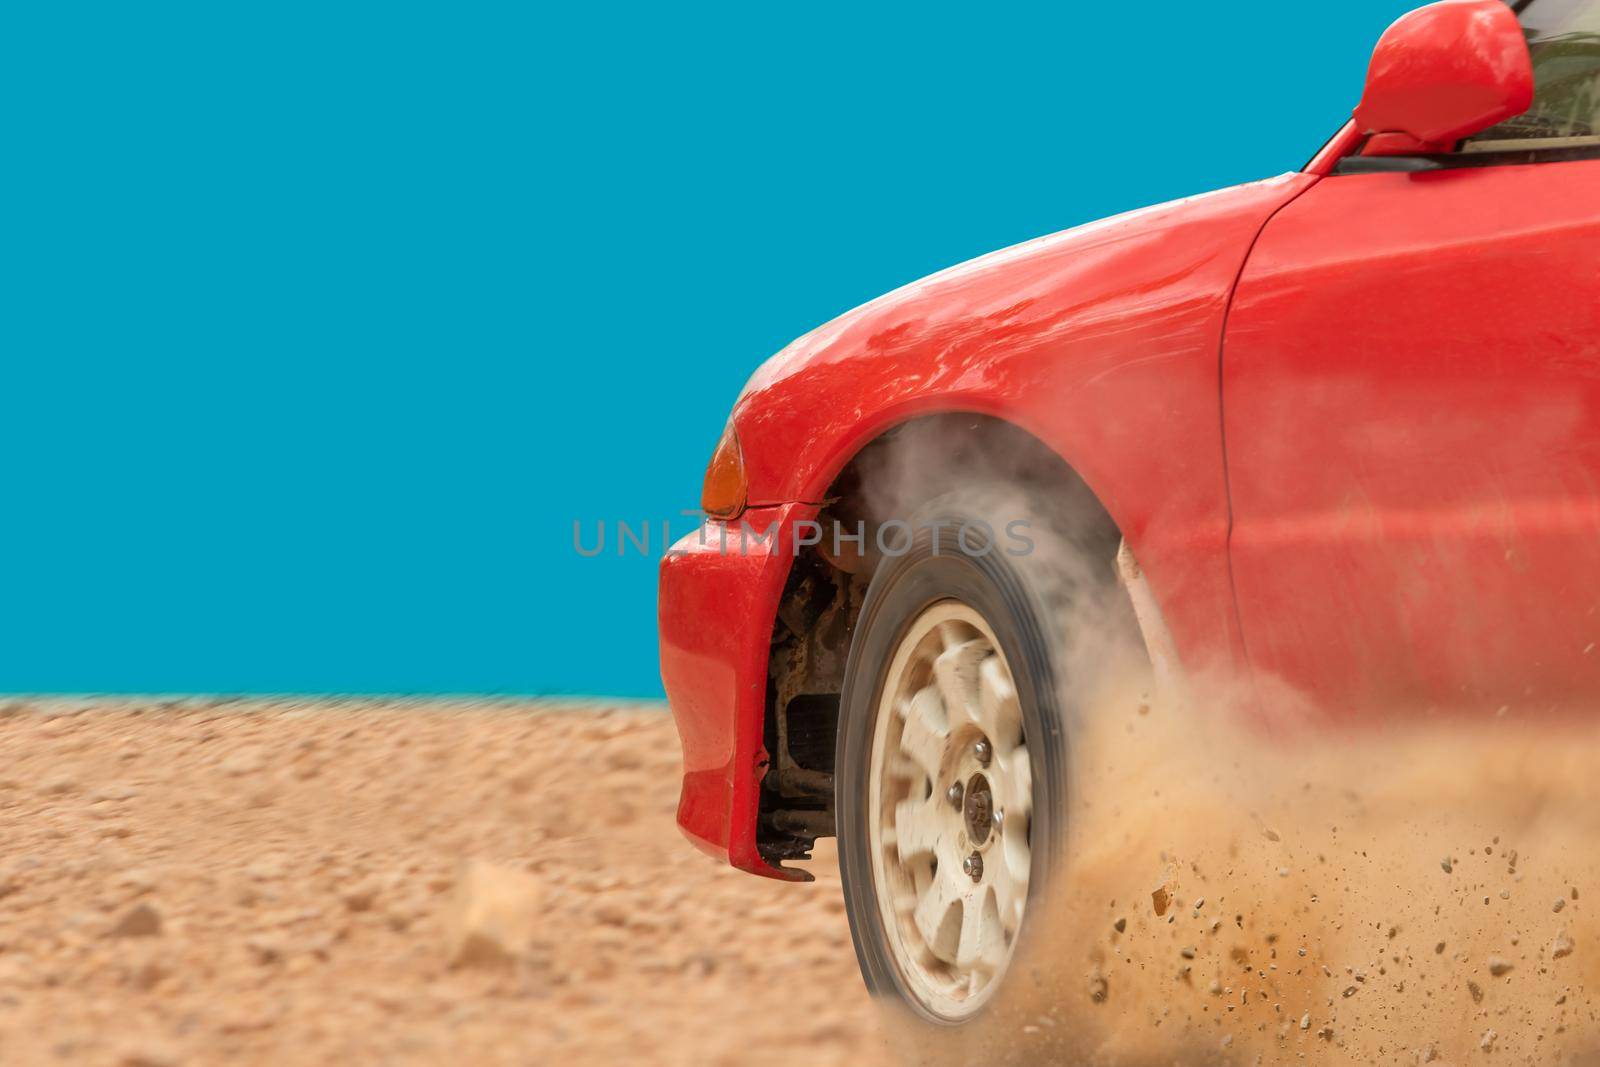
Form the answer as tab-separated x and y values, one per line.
719	594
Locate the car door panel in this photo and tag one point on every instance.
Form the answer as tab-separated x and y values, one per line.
1411	394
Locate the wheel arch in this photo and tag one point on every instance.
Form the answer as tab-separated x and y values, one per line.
886	471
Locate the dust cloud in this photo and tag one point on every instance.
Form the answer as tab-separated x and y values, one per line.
1403	893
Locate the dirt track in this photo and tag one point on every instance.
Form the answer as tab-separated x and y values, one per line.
502	883
261	882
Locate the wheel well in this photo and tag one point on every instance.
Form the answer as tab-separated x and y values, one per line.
886	479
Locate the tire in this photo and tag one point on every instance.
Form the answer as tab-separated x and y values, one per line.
958	620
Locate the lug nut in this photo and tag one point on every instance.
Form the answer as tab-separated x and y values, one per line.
982	751
999	819
954	795
973	865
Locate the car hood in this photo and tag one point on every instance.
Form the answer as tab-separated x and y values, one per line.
1015	334
955	290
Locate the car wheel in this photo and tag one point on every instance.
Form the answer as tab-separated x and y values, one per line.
950	771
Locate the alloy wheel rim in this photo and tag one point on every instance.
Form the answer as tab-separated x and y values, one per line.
951	802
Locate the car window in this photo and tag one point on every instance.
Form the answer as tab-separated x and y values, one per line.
1564	38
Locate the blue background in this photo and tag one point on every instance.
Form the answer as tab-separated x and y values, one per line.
323	323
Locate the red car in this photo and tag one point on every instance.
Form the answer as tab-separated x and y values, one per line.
1336	431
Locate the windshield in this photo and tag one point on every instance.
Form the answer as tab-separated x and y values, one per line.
1564	39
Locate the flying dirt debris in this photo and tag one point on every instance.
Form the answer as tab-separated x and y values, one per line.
1337	937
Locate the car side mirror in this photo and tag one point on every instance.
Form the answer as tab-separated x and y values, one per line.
1444	72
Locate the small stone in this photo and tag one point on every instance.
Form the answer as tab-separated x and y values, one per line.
1475	990
1447	864
1160	899
1305	1021
1499	965
147	1055
141	920
361	897
493	918
265	870
59	785
264	950
243	762
1559	904
147	975
1099	988
1121	925
1487	1041
1562	946
135	882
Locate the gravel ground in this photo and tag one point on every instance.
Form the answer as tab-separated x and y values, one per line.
360	882
195	881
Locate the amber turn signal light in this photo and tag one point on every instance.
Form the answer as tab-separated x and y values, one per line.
723	495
